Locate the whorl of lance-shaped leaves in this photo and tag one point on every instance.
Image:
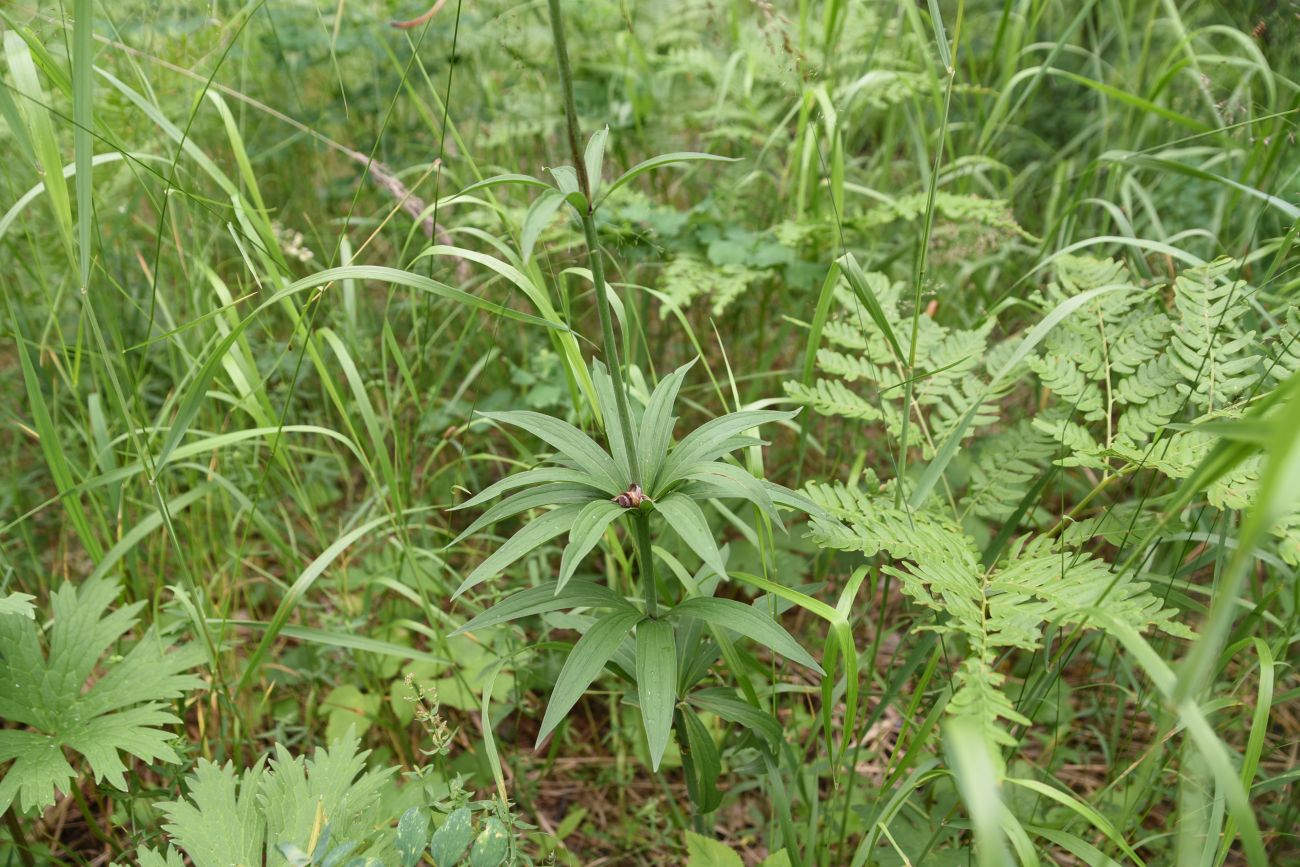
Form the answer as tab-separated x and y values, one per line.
579	488
43	690
581	481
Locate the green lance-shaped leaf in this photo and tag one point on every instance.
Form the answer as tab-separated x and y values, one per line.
568	441
549	494
588	527
535	476
729	480
660	162
687	519
724	703
539	216
584	664
749	622
594	158
545	598
656	432
536	533
705	762
656	683
712	439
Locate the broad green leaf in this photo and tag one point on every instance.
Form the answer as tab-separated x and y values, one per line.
537	475
704	851
545	598
594	159
584	664
687	520
702	444
550	494
537	532
660	162
451	839
491	845
749	622
539	216
656	683
588	527
568	441
656	432
566	179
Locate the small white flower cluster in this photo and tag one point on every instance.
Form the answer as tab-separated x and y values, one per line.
291	243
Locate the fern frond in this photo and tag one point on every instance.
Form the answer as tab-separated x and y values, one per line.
1005	467
832	397
1208	346
1061	375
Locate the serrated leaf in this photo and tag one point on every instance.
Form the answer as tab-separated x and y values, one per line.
451	839
19	604
537	532
656	684
588	527
43	689
749	622
704	851
584	664
687	520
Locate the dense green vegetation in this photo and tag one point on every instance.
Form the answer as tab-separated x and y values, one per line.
716	433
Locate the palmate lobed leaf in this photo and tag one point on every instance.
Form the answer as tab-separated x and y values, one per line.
120	713
246	818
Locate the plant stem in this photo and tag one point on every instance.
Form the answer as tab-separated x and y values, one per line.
20	839
641	523
570	107
611	347
593	248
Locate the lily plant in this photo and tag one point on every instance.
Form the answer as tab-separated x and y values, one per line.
644	480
